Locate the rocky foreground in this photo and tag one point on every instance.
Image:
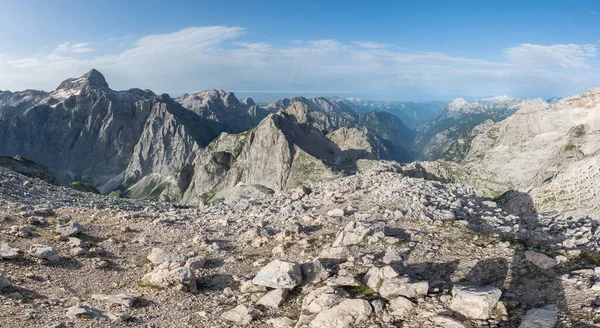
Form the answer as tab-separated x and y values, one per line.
375	249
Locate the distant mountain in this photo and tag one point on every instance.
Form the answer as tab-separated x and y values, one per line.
224	108
22	99
411	113
436	136
331	114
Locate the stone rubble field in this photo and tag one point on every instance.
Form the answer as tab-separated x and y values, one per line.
375	249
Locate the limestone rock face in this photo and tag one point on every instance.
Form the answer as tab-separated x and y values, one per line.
546	150
84	131
475	302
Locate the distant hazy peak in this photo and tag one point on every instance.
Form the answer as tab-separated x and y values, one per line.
211	95
503	98
458	104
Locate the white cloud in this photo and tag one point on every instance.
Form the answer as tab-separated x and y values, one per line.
26	62
77	47
558	55
81	47
369	44
198	58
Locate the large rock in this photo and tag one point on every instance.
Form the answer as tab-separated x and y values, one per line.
7	252
401	286
475	302
400	306
353	234
279	274
322	298
540	260
339	252
3	282
446	322
68	229
314	272
375	276
349	313
44	252
274	298
172	275
545	317
281	322
120	299
241	315
159	256
75	312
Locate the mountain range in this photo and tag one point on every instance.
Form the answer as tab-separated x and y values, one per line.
207	145
144	145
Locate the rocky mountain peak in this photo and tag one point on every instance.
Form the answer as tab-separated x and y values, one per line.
212	96
91	79
299	110
248	102
458	104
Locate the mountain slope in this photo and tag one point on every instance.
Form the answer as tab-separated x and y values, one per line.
331	114
285	150
549	150
436	136
145	146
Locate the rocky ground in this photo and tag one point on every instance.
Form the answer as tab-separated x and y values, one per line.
376	249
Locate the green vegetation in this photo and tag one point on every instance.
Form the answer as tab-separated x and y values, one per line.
208	196
143	284
361	291
84	186
115	194
571	147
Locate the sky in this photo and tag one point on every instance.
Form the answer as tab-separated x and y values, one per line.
383	50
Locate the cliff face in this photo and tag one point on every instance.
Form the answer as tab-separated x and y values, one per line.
285	150
84	131
551	150
196	146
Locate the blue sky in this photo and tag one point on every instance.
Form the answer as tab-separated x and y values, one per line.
396	50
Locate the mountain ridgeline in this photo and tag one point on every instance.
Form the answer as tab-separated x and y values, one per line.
194	147
211	145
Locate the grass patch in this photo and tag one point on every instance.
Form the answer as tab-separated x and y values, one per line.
143	284
362	290
84	186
